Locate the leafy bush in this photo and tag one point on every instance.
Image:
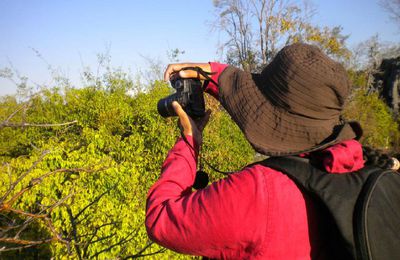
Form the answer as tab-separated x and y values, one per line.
90	179
380	129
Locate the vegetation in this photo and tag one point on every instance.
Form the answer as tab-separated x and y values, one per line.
80	189
380	129
257	29
76	164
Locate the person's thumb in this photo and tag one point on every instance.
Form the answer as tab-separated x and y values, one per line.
183	118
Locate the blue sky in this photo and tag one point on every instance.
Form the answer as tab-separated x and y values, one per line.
71	33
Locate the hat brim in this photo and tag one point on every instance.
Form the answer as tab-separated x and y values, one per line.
272	130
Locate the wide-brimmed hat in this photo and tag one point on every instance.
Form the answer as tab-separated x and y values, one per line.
293	106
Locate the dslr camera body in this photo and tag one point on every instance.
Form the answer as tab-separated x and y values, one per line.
189	94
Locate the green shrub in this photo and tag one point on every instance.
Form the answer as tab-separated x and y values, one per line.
115	152
375	117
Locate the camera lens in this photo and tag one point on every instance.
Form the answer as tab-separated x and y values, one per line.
165	108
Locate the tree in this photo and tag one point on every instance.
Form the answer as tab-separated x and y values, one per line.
273	23
78	190
379	63
393	8
235	21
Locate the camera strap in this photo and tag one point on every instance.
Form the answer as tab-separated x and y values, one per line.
201	179
201	158
203	73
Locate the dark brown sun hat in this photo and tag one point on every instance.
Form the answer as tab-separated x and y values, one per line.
293	106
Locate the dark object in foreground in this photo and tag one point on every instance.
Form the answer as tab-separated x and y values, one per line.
364	205
201	180
189	94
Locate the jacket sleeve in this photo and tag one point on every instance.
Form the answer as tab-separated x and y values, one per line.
216	69
216	221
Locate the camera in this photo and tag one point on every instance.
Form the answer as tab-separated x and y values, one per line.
189	94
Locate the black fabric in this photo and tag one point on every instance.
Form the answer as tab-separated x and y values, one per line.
364	205
377	212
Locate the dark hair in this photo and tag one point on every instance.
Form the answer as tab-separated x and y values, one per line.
377	158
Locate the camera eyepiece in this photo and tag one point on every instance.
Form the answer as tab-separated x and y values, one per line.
189	94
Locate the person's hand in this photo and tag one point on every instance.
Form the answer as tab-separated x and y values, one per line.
189	126
173	69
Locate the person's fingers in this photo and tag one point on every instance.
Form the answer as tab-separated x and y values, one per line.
174	68
183	118
169	71
396	164
177	68
187	74
193	73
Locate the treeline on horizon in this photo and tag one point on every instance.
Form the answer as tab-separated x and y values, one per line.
76	163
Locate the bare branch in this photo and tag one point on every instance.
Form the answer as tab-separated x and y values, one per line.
5	249
74	231
153	253
97	228
18	125
37	181
13	185
21	212
120	242
56	235
42	215
140	253
91	203
393	8
102	238
23	106
24	242
275	24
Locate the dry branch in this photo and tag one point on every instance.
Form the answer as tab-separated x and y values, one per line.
23	124
11	233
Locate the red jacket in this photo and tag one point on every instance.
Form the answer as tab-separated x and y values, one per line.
256	213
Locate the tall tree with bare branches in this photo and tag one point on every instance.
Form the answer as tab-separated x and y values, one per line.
257	29
234	19
393	8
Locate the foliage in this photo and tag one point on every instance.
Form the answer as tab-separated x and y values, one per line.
380	129
257	29
379	122
78	190
108	161
358	79
218	148
331	40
